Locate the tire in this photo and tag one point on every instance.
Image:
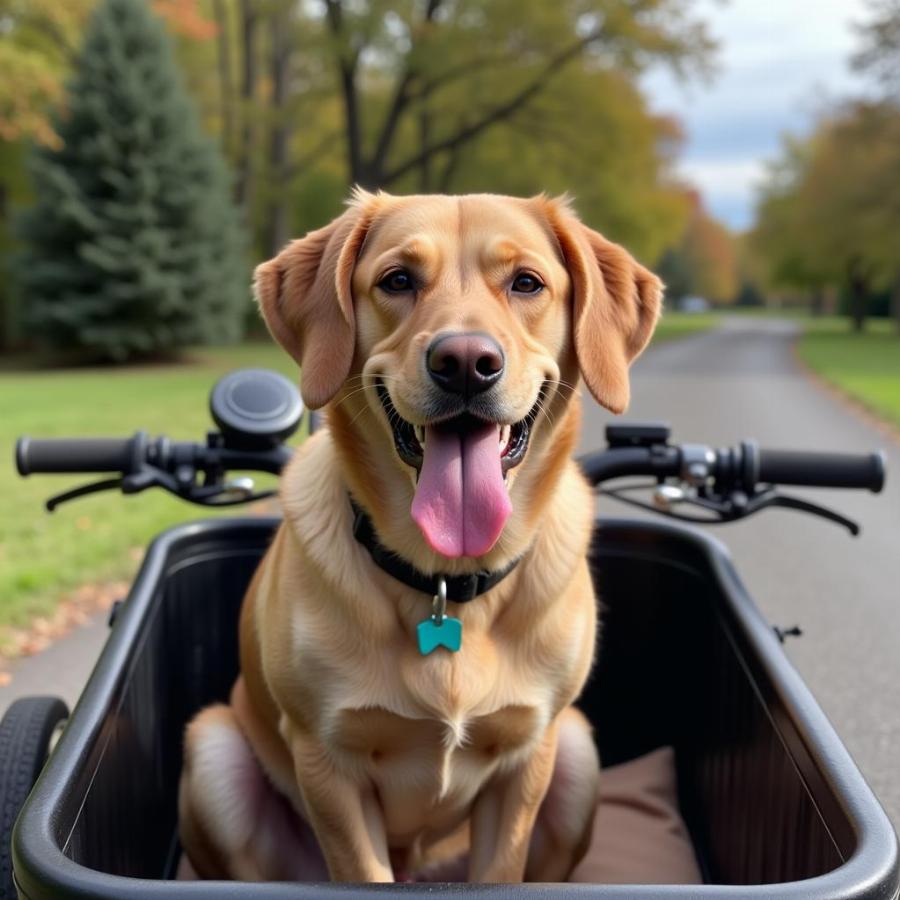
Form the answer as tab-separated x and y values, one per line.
25	734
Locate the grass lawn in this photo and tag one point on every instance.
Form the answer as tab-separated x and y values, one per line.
677	324
866	366
97	538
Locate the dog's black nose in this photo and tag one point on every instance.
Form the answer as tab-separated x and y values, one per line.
464	364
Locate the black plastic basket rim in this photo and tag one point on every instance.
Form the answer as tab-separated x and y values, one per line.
43	870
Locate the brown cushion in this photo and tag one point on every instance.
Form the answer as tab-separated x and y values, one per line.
639	836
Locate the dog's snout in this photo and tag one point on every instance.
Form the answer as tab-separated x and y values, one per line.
465	364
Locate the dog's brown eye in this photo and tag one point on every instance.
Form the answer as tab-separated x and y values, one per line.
525	283
397	282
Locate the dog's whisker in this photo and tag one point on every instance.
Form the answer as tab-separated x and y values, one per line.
356	391
563	384
542	407
370	379
350	396
358	414
364	386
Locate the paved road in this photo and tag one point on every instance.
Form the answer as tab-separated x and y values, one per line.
738	382
62	669
716	388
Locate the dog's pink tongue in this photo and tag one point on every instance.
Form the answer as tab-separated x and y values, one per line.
461	503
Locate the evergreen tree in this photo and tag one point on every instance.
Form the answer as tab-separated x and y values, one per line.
133	247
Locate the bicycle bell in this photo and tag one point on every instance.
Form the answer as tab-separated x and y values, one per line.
255	408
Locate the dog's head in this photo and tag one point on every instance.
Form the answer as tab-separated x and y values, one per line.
460	324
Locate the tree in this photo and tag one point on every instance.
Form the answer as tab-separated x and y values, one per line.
39	39
36	38
422	53
855	184
38	42
879	51
132	248
879	57
704	260
710	250
830	212
749	272
784	238
413	95
590	135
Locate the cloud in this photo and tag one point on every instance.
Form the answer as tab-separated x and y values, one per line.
726	185
779	64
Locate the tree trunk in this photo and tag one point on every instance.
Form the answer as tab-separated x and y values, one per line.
859	294
347	62
402	93
425	179
357	170
6	301
817	302
226	86
451	164
249	77
278	219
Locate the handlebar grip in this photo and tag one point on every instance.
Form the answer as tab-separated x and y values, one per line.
839	470
77	455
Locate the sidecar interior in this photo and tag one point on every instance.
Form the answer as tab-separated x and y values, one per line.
773	804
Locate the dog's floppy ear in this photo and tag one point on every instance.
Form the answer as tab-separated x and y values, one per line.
305	297
616	304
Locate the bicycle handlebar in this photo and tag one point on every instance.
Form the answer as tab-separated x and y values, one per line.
76	455
129	456
744	466
837	470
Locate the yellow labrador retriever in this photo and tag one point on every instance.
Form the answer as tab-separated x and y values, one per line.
413	640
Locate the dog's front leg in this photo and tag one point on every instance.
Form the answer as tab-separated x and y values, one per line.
504	814
345	816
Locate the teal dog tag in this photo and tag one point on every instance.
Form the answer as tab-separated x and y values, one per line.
447	633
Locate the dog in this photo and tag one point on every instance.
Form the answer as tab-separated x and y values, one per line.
414	639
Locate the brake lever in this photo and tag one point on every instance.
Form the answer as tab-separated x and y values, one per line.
147	477
739	505
81	491
736	506
788	502
216	494
212	502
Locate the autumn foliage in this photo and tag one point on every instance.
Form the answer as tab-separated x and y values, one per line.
37	45
186	18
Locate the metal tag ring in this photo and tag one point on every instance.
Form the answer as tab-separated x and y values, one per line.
439	603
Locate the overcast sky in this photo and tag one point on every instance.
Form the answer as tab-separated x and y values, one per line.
778	61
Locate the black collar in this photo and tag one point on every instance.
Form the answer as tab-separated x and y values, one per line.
460	588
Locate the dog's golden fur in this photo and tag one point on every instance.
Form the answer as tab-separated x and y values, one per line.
401	763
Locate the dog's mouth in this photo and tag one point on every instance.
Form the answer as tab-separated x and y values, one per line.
462	465
410	440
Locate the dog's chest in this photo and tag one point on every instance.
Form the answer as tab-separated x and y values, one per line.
429	769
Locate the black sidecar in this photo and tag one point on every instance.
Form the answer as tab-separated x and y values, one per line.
775	806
